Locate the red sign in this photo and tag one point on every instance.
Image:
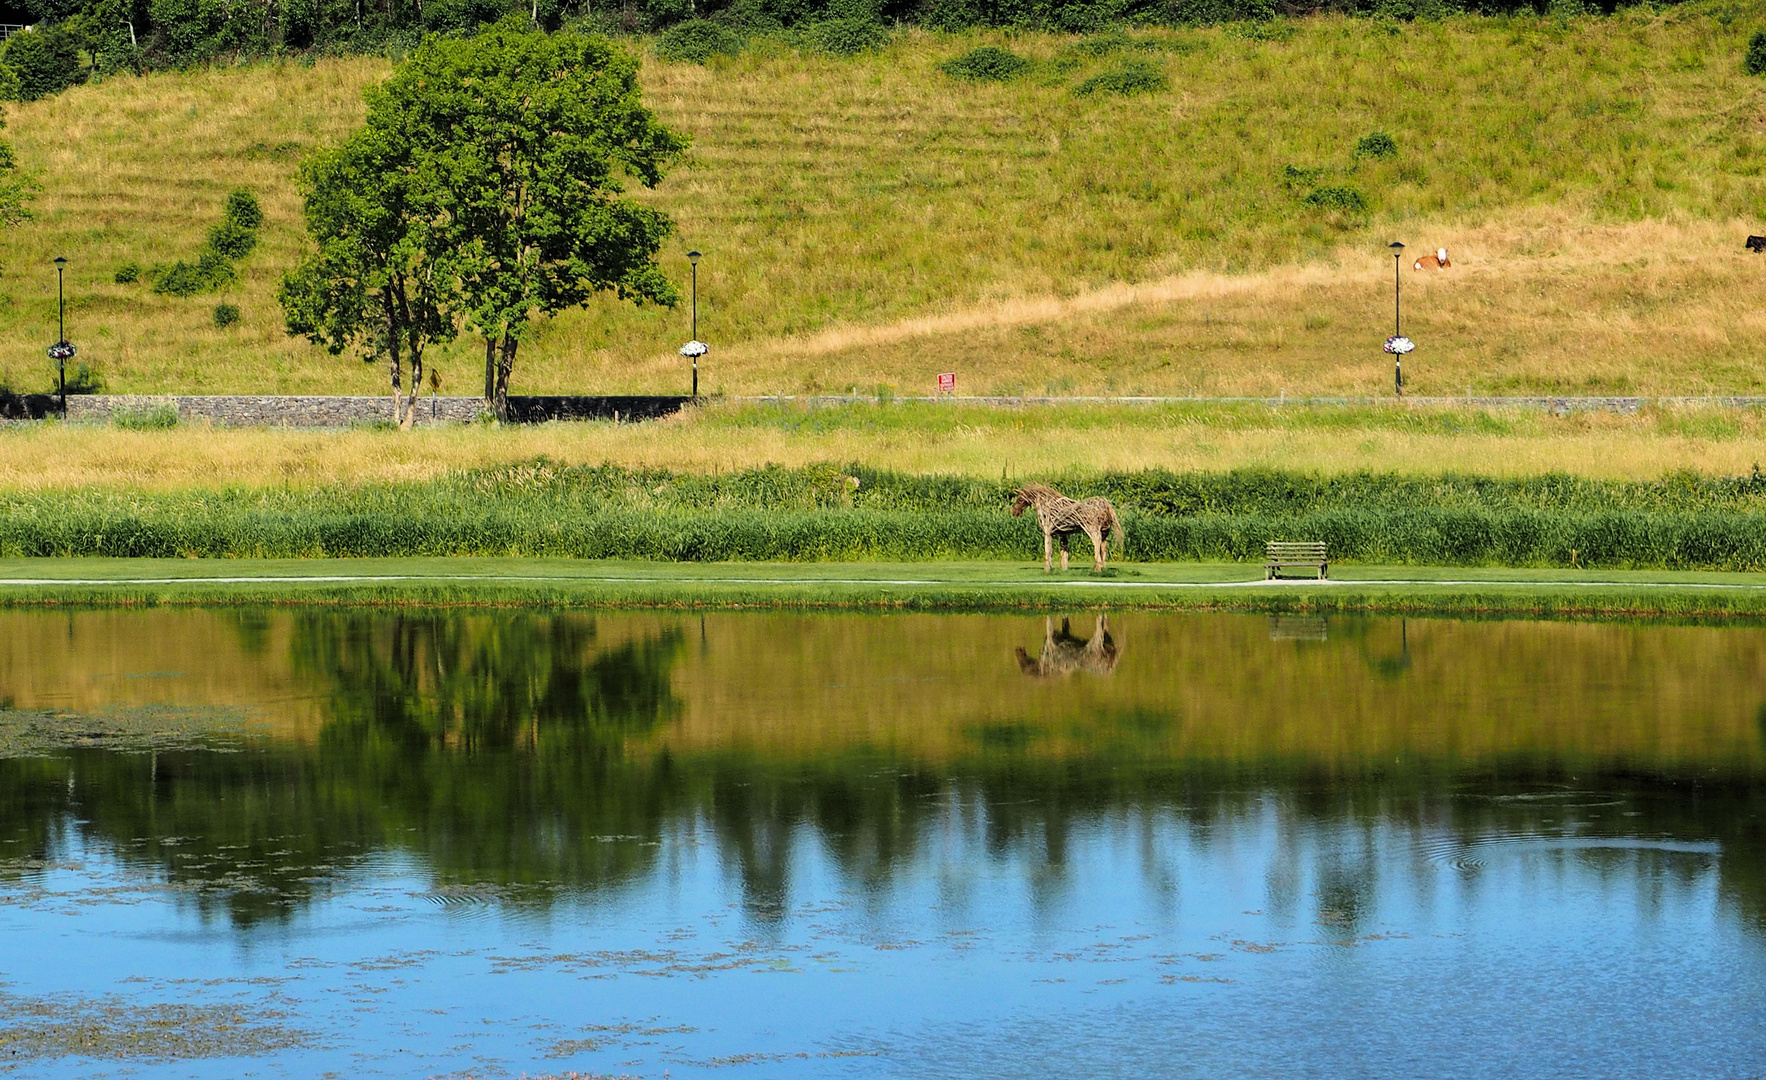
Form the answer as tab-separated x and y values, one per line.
947	382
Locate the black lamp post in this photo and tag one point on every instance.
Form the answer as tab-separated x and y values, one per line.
61	352
1397	316
695	348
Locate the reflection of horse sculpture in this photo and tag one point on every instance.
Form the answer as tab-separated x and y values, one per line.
1063	654
1060	516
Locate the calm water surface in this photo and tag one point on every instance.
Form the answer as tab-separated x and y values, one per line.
309	843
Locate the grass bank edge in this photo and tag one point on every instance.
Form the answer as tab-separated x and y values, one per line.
882	588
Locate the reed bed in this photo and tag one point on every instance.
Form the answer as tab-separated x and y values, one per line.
827	514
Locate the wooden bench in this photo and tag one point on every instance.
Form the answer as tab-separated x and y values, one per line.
1296	553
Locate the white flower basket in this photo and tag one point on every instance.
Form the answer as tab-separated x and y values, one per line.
695	348
1398	346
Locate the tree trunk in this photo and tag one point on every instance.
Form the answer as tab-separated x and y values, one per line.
410	419
490	373
397	397
505	364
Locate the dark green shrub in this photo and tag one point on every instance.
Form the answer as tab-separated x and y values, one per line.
1376	144
1127	78
232	240
989	63
1337	197
46	61
209	272
696	41
243	210
128	273
847	37
226	315
1754	60
151	418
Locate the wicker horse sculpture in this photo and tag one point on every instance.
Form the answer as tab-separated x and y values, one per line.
1060	516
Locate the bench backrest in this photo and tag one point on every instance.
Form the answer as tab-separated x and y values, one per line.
1297	549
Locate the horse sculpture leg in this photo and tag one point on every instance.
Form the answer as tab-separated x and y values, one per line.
1048	550
1098	555
1064	537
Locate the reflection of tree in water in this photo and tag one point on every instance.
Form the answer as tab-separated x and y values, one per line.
509	750
1063	653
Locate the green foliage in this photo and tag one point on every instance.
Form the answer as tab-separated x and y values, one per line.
1342	197
150	418
510	150
209	272
1377	144
232	239
45	60
1754	60
226	315
696	41
128	273
17	188
847	37
1133	76
989	63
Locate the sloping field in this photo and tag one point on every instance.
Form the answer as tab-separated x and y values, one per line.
868	222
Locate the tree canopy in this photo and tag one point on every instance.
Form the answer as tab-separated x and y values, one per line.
486	189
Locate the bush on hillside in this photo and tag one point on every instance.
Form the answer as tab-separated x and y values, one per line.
847	37
989	63
1127	78
1341	197
128	273
696	41
226	315
1376	144
209	272
45	61
232	239
1754	60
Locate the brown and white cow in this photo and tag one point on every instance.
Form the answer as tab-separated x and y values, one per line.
1437	261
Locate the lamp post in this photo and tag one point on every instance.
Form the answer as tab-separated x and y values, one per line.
1395	346
61	352
695	348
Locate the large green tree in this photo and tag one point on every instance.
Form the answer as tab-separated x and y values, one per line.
381	279
524	141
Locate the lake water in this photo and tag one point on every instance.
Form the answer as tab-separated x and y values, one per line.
303	843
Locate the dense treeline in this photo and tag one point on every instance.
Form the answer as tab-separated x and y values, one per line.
1684	522
76	39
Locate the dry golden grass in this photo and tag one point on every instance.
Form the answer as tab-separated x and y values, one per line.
871	222
928	439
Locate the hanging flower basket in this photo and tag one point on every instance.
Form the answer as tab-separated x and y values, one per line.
62	350
1398	346
695	348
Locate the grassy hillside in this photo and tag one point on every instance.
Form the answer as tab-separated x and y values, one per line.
871	221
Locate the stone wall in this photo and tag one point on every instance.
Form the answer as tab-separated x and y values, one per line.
316	411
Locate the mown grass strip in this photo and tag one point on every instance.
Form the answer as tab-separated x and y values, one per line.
964	586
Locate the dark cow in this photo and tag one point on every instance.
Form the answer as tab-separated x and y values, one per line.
1757	243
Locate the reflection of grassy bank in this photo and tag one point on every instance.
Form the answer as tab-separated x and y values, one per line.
958	586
